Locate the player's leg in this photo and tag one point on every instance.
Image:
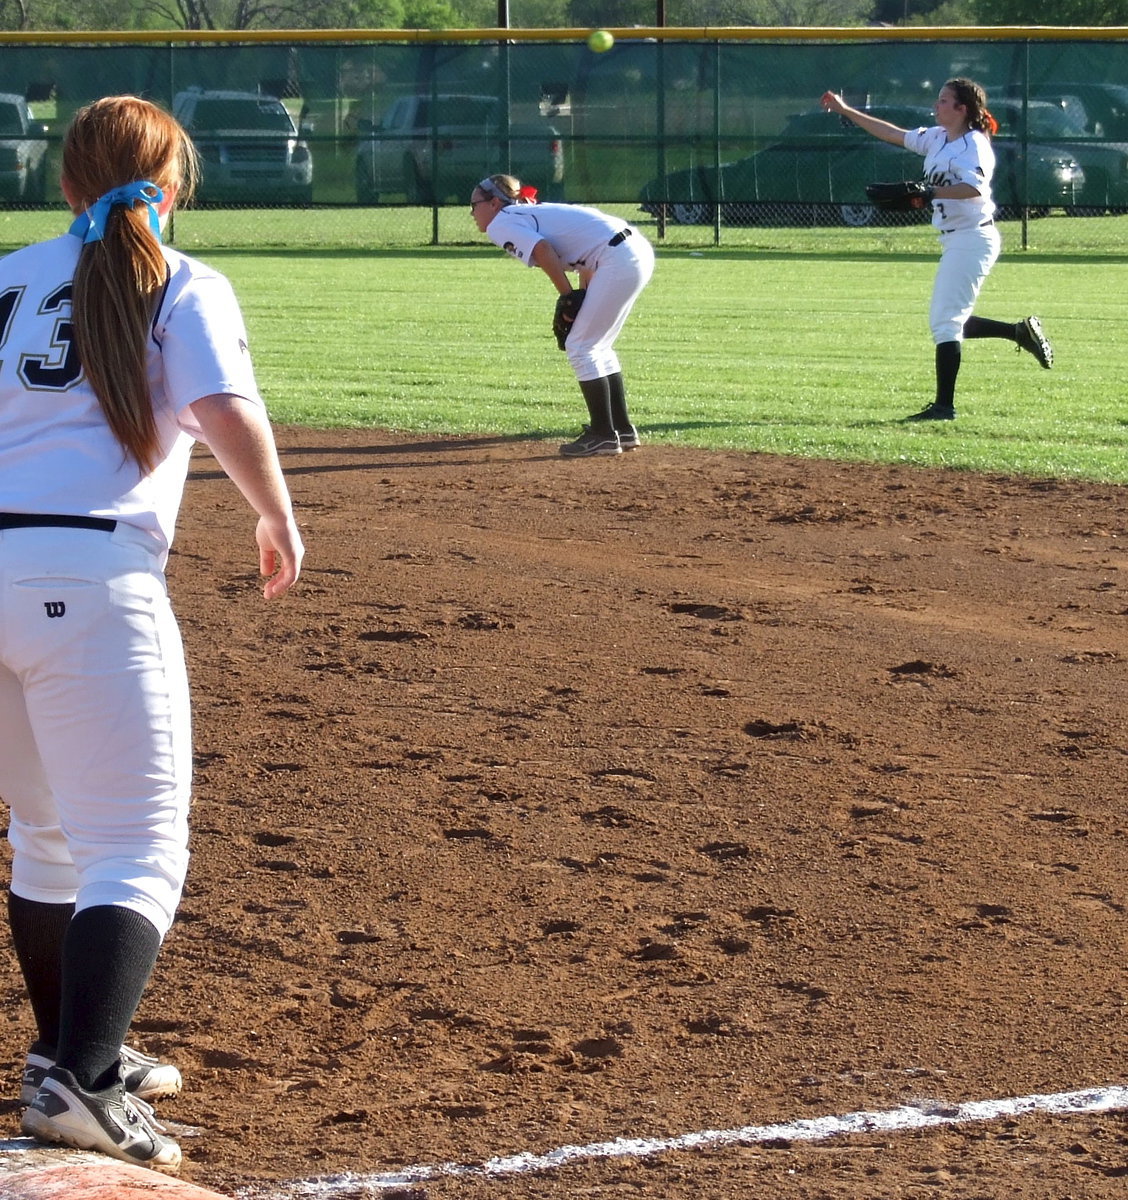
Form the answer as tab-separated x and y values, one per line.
965	260
42	865
1027	334
106	696
620	417
943	407
598	437
621	274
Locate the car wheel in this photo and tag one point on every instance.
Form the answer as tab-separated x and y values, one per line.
37	185
366	192
691	214
857	215
414	185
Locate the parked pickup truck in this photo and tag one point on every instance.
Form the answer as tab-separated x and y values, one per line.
23	151
429	149
250	151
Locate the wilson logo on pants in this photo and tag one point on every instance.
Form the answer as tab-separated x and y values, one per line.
55	608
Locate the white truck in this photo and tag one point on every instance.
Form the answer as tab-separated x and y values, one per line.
430	149
250	150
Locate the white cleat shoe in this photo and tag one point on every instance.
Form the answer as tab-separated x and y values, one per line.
110	1121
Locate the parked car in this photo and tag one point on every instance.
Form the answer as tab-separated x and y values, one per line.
23	151
1099	109
250	149
430	149
1058	122
818	170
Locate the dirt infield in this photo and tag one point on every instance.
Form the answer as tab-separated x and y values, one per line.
567	801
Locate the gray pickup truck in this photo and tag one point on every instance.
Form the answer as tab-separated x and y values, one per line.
430	149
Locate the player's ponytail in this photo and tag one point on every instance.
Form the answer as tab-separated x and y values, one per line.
974	99
120	155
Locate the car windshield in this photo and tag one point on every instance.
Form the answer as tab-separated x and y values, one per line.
10	123
242	114
1042	120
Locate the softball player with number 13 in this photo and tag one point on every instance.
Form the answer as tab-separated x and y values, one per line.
115	354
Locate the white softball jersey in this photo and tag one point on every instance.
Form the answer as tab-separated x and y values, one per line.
968	159
617	256
969	240
95	726
57	453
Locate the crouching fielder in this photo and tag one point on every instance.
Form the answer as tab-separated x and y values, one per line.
117	353
959	162
614	262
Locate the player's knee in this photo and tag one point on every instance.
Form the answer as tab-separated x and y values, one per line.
592	363
149	885
42	868
946	330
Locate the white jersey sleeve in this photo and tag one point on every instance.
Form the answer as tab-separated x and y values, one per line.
202	340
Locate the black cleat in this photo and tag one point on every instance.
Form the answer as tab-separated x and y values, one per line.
1030	337
144	1077
110	1121
934	412
590	444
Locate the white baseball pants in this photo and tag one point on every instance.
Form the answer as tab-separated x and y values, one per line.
620	274
966	258
95	737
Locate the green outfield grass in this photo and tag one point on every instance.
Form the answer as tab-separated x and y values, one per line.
806	342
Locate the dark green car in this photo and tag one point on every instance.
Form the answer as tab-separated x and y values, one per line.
816	174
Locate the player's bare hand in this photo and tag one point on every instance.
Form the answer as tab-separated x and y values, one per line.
280	555
833	102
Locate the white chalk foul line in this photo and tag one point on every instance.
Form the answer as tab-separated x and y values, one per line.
922	1115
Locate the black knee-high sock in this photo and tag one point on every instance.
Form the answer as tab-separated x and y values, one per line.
981	327
597	396
38	933
947	368
619	417
108	957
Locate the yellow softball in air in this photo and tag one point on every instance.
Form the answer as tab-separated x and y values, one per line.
600	41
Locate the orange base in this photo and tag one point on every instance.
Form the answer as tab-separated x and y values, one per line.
114	1181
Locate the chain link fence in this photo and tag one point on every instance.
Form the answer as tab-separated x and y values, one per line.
706	139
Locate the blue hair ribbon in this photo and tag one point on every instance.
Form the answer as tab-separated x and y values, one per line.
91	224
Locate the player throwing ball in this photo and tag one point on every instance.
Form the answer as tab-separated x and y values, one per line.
958	164
117	354
614	263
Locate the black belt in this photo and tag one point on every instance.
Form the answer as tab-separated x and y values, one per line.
981	225
621	236
37	520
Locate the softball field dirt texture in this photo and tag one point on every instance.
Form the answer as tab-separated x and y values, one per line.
565	802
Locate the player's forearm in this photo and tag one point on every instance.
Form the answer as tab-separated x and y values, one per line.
955	191
238	434
833	103
893	134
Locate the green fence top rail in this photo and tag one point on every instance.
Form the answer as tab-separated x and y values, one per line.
710	33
